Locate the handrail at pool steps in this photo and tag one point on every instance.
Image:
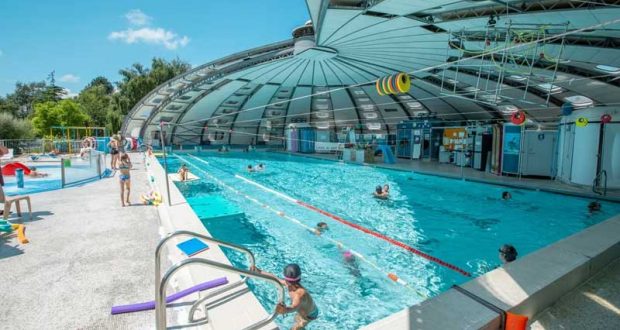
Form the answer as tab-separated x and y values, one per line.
162	283
597	183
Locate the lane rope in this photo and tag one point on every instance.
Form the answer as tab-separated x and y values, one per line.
390	275
350	224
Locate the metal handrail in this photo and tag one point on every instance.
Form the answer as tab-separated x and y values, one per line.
161	292
597	182
206	238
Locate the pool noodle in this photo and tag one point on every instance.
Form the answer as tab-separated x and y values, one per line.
176	296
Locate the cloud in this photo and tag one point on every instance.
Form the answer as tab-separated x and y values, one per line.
69	94
154	36
138	18
69	78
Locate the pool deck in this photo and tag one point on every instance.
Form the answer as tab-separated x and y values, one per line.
470	174
594	305
86	253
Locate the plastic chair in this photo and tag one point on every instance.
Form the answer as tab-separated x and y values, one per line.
9	201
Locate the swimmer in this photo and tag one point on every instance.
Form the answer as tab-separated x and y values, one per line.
35	174
251	169
351	263
301	301
594	207
382	192
506	196
507	253
260	167
320	228
183	172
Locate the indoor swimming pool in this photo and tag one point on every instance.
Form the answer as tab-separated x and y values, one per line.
457	222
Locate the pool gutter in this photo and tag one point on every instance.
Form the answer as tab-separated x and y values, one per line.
527	286
240	312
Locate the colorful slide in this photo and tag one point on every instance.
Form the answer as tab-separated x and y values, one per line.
388	156
9	169
151	304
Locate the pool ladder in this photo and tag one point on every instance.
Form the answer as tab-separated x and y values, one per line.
162	283
597	183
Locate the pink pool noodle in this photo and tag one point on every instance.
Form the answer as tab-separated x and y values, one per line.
176	296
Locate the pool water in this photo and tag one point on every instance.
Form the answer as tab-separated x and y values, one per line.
79	171
34	185
462	223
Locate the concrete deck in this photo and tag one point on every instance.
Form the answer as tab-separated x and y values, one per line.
86	253
468	173
594	305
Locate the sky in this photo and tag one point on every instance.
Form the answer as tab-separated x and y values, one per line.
83	39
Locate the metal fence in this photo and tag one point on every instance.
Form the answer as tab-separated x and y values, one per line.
43	146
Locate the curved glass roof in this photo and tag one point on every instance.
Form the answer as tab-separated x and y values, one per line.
469	61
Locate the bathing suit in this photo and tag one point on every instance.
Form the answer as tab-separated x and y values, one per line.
113	151
124	177
314	314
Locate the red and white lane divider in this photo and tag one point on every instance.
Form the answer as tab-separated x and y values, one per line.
391	276
356	226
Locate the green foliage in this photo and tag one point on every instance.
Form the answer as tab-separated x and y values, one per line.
14	128
62	113
95	102
101	81
19	103
98	104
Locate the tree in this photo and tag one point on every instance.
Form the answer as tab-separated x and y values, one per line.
137	81
14	128
95	102
101	81
61	113
20	102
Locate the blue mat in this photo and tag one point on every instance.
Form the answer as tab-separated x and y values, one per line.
192	246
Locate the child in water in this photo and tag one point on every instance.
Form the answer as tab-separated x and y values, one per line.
301	301
382	192
320	228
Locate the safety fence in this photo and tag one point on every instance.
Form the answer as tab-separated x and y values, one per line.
88	166
48	146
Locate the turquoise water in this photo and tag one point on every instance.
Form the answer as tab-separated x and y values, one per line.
79	171
34	185
460	222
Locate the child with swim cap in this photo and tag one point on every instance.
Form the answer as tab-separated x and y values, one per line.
301	301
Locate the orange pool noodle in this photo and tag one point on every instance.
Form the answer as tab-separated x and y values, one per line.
21	233
515	321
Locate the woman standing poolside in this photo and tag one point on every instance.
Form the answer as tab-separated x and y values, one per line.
125	178
114	152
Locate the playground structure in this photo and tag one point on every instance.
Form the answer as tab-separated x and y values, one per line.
71	139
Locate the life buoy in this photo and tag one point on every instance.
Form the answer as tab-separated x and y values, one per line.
581	122
89	142
606	118
403	82
518	118
393	84
378	86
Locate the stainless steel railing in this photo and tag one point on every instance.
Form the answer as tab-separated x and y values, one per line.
162	283
597	183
